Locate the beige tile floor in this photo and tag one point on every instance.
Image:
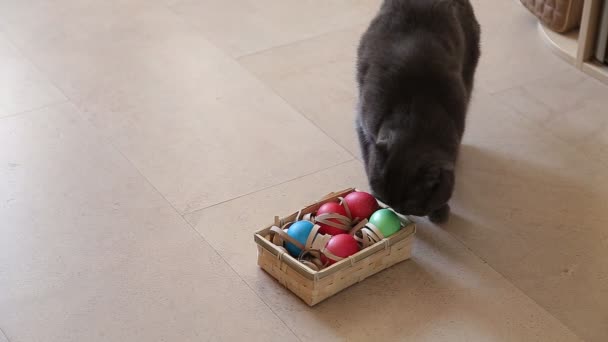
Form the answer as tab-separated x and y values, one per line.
142	142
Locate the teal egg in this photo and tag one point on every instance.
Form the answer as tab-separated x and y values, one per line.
387	221
300	231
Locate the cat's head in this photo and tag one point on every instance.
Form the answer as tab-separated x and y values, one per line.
411	172
412	186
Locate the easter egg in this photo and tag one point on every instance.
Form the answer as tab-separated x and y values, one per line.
331	208
361	204
387	222
299	231
342	245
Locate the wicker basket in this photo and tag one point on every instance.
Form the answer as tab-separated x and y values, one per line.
559	15
315	286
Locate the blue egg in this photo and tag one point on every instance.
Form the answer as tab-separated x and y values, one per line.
299	231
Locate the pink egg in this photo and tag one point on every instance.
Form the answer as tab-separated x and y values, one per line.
361	204
342	245
331	208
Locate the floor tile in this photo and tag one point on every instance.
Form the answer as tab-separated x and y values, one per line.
444	292
316	76
535	209
94	252
570	105
206	103
22	86
199	126
513	52
243	27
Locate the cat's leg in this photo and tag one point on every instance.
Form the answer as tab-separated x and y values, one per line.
440	215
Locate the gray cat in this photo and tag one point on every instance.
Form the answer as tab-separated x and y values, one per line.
415	71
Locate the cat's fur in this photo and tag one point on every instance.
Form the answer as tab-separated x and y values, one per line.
415	73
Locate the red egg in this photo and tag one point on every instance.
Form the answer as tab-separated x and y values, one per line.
361	204
342	245
331	208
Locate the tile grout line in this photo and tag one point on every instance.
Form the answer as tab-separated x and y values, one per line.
189	212
24	112
575	148
40	70
46	77
297	41
2	333
274	91
522	84
237	59
510	282
201	236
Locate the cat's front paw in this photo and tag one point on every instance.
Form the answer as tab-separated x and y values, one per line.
440	215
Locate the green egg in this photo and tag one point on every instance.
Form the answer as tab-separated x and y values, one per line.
387	221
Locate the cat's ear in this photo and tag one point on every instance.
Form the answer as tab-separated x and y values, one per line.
385	136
